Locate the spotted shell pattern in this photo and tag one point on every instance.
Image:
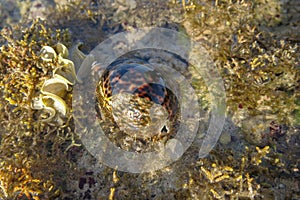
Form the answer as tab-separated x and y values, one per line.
135	96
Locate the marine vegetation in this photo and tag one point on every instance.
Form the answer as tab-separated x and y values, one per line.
42	158
27	141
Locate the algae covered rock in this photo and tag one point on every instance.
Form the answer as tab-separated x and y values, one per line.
41	156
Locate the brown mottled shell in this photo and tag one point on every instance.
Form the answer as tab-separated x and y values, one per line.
134	95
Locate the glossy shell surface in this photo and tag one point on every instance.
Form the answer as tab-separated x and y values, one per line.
133	94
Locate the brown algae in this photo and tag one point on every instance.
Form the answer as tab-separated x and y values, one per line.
43	159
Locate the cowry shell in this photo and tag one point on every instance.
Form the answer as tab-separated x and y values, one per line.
48	53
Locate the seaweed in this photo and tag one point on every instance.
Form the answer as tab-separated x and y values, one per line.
41	160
